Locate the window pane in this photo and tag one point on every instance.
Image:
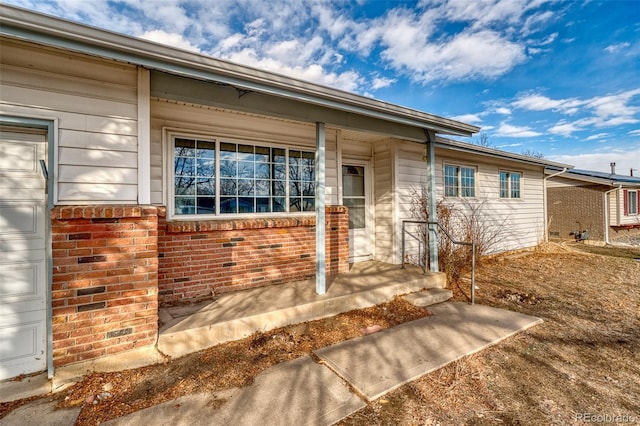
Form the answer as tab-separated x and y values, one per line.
228	151
279	205
206	205
228	187
263	205
262	187
245	153
228	168
278	155
309	189
206	149
515	185
308	204
468	181
206	186
450	181
228	205
245	205
279	172
245	169
295	204
184	166
184	206
353	181
356	212
206	166
262	154
184	148
632	202
184	185
279	188
245	187
504	185
262	171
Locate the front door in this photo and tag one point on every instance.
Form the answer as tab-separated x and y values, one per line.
23	274
355	196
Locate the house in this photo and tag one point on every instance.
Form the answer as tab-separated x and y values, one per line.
135	174
606	205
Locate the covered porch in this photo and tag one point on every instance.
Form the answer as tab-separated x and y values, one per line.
189	328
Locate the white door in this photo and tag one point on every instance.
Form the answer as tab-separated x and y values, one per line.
23	275
356	196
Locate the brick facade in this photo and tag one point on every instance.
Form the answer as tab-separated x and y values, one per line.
112	265
202	258
105	280
576	208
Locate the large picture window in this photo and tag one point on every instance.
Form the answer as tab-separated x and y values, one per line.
218	178
459	181
510	184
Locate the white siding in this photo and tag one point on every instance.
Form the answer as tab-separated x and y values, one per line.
95	103
236	126
520	221
383	199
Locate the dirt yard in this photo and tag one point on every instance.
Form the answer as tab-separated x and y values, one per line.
583	360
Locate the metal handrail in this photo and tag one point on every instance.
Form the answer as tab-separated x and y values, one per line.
462	243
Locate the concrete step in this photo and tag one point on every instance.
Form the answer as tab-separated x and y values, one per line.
238	315
429	297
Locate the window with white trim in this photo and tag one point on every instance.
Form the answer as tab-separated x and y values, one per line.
459	181
510	184
632	202
217	178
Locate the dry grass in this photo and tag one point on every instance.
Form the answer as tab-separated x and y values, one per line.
585	357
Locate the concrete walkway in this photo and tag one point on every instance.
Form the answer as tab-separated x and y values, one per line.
303	391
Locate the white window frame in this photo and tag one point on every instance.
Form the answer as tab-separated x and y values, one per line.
171	135
509	182
459	188
632	208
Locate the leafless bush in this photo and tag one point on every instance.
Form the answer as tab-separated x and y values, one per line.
464	220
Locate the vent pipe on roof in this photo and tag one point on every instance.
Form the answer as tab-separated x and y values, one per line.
613	168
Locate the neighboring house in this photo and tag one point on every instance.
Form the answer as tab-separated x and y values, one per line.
607	205
173	176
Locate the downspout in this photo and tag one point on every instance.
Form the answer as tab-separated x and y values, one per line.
544	197
431	199
606	213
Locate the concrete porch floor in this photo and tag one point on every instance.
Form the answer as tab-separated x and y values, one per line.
189	328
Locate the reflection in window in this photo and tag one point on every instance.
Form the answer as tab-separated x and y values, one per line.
459	181
251	179
353	195
510	184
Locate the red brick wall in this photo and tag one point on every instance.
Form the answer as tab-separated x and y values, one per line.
201	258
105	280
571	208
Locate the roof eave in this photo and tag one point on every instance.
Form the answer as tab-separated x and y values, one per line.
27	25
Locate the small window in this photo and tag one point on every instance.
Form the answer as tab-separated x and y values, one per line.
459	181
632	202
510	184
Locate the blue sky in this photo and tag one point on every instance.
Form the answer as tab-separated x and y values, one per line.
557	77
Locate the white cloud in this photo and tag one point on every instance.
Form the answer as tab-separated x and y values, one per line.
382	82
614	48
597	136
170	39
599	161
468	118
509	130
503	111
635	132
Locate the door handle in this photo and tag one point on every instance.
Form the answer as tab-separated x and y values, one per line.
43	166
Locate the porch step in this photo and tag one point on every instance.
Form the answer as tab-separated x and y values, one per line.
237	315
429	297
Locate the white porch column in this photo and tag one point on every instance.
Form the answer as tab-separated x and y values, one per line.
432	202
321	287
144	136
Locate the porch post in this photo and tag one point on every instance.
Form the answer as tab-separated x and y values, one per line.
320	209
431	200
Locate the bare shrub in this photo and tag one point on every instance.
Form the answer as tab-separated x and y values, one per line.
465	221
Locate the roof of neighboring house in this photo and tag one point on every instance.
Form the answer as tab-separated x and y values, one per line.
27	25
591	176
497	153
